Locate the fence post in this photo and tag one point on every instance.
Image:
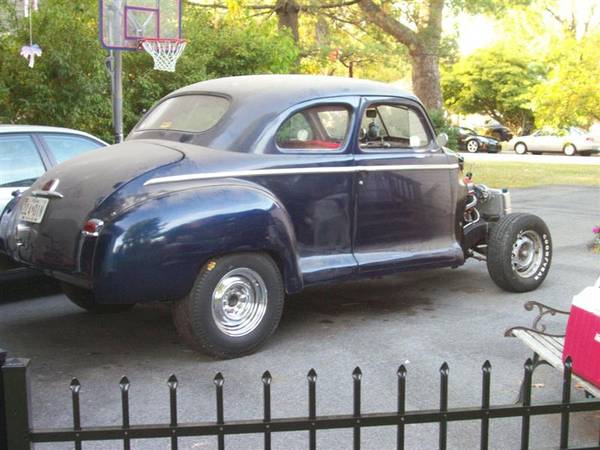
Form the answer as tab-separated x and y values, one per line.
17	403
3	443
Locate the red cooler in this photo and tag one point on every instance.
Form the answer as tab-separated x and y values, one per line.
582	340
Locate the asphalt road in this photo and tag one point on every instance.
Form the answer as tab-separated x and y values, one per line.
418	319
546	158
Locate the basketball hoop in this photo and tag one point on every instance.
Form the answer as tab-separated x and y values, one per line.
165	52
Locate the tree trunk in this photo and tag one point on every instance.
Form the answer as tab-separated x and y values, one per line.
426	78
287	13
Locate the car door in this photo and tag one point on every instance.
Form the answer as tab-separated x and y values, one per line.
546	141
21	163
405	201
63	146
313	141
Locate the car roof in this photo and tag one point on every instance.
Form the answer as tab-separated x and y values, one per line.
7	128
293	89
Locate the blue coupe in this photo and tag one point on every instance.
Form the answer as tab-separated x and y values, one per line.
230	193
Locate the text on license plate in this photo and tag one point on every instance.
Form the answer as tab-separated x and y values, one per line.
33	209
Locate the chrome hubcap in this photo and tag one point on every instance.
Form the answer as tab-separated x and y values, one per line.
527	254
239	302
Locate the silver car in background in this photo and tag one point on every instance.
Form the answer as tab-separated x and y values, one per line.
26	153
570	141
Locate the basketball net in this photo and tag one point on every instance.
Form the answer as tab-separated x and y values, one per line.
165	52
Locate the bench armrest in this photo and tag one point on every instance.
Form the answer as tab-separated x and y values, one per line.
543	310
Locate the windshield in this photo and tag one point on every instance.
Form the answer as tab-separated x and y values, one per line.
188	113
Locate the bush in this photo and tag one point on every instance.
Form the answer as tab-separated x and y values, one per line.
442	125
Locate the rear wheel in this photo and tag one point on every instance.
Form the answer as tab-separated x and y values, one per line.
520	148
85	300
569	150
519	252
234	306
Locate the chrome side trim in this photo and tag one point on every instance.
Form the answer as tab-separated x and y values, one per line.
296	171
51	194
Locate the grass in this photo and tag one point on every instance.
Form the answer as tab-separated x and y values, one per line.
518	175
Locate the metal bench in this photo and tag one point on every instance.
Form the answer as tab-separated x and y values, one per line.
547	347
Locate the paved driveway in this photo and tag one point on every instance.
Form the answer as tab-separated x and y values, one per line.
418	319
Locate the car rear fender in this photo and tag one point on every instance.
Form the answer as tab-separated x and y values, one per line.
154	250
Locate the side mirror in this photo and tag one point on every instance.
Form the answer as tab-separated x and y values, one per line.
442	139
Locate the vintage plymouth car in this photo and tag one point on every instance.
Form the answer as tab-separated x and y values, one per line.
230	193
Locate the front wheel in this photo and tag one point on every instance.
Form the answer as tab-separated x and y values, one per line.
85	300
519	252
520	148
472	146
234	306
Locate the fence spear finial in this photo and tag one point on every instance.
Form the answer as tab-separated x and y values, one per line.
445	369
487	366
266	377
124	383
219	380
172	382
75	385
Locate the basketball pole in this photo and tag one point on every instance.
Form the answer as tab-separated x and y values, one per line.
116	72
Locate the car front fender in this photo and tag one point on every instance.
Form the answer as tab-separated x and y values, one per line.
163	242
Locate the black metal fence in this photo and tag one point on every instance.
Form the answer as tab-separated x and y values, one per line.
17	433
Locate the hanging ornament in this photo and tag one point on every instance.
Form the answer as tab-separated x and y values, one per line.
30	52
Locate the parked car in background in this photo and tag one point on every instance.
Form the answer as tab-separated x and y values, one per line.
26	152
231	192
470	141
497	131
570	141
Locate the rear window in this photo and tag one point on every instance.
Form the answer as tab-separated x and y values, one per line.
190	113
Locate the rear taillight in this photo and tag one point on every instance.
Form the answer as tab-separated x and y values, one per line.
92	227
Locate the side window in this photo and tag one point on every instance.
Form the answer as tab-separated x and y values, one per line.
64	147
316	128
20	163
392	126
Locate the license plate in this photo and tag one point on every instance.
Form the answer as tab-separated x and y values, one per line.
33	209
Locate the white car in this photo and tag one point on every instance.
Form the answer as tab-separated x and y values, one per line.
26	152
570	141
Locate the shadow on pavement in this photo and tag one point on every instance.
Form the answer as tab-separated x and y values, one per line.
28	288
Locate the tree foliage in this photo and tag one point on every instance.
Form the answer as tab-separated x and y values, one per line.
571	94
496	81
70	87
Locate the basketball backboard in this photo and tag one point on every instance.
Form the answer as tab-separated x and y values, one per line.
124	23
